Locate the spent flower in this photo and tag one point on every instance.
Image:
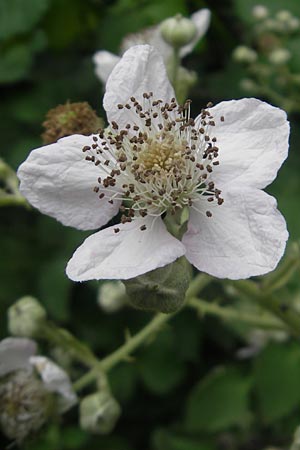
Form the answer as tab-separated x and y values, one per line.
159	167
32	389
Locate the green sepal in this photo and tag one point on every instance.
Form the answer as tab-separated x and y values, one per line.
161	290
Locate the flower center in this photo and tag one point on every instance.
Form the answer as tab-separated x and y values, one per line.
161	161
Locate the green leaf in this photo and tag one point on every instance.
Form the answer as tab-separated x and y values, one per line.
15	62
277	379
123	380
219	401
168	440
159	364
20	16
54	288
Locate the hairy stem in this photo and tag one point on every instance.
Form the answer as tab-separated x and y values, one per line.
230	314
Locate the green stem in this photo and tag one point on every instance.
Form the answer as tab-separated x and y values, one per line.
175	67
62	338
135	341
12	200
276	306
231	314
124	351
198	284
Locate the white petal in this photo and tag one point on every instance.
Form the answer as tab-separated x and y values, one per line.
105	62
140	70
58	181
201	19
55	380
245	236
253	142
15	354
126	254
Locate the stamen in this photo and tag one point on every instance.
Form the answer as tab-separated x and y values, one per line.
160	161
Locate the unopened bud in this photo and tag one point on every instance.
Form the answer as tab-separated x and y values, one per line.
279	56
284	15
243	54
260	12
294	24
68	119
178	31
25	404
161	290
248	86
26	317
99	413
112	296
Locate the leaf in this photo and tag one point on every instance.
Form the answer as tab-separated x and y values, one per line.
15	62
169	440
218	402
277	379
159	365
19	16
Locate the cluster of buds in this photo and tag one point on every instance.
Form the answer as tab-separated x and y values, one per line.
269	58
33	389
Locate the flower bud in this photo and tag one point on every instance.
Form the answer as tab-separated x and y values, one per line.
279	56
178	31
260	12
26	317
161	290
294	24
249	86
68	119
243	54
25	404
112	296
284	15
99	413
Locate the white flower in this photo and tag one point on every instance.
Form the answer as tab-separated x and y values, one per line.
20	354
157	160
105	61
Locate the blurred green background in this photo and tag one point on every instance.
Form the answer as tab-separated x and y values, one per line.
187	390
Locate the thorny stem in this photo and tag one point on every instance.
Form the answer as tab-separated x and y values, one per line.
124	351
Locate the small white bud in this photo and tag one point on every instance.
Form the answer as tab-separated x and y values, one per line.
111	296
99	413
249	86
243	54
279	56
260	12
294	24
178	31
284	15
26	317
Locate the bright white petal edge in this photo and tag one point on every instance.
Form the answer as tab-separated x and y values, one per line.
126	254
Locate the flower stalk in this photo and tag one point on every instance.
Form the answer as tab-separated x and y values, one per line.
229	314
